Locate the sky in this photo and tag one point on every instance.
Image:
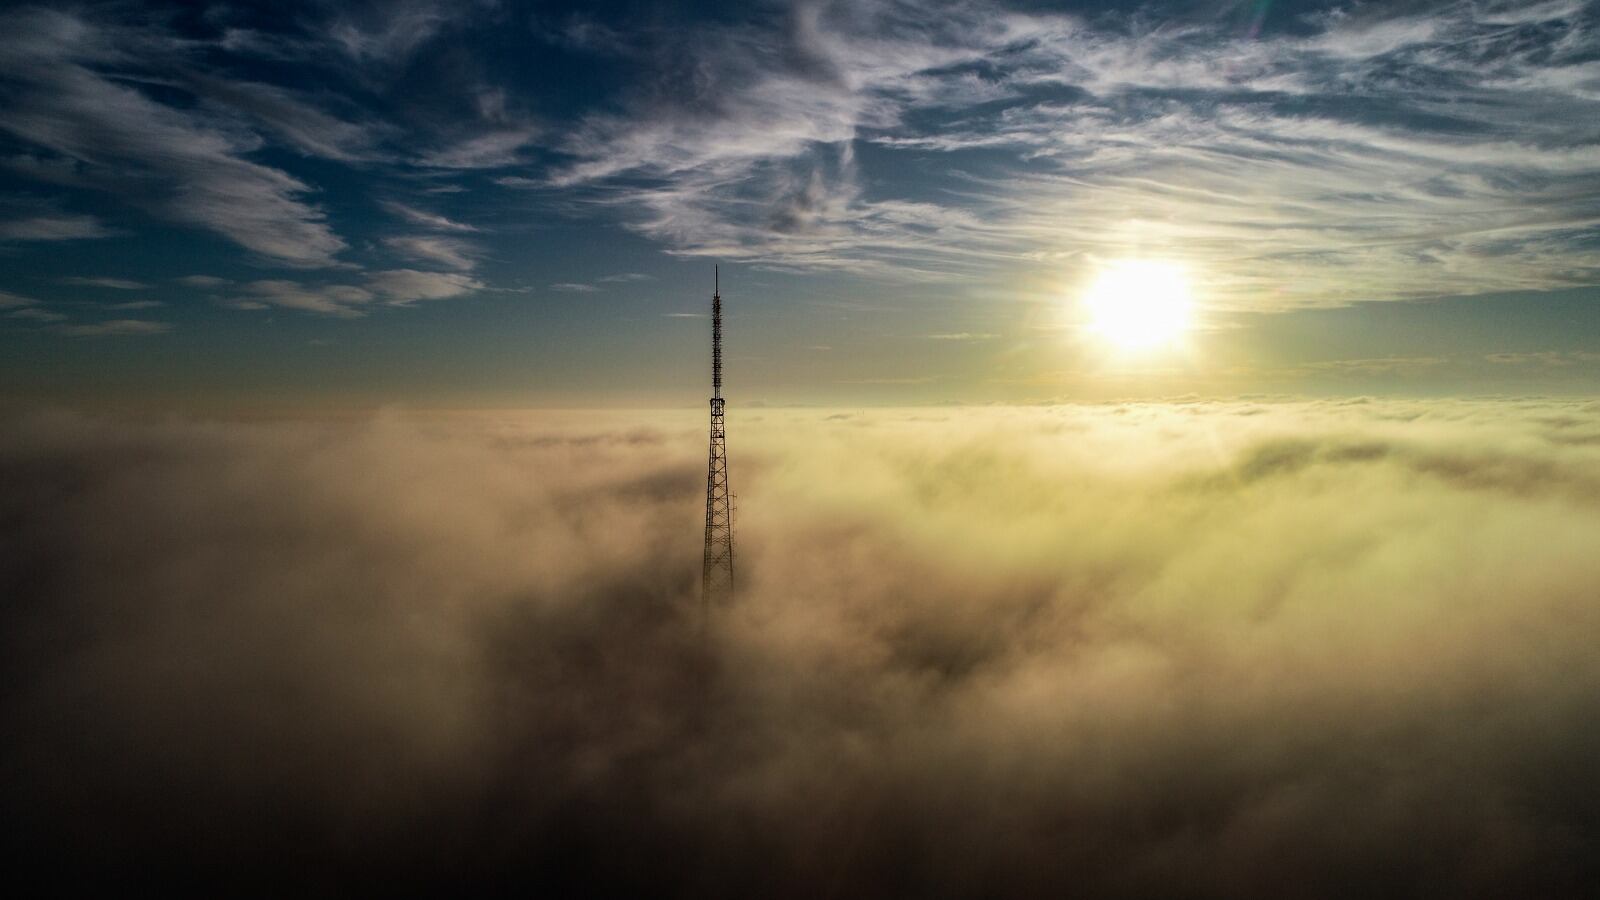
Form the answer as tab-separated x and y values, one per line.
501	204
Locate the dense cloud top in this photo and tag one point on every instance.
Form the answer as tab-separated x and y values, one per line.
1202	649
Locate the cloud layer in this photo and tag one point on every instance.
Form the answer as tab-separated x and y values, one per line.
188	166
1212	650
1308	154
1360	152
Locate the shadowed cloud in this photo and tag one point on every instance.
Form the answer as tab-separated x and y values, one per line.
1192	649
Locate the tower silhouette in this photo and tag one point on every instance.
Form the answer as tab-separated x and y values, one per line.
716	575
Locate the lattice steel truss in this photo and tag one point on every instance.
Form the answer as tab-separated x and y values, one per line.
716	575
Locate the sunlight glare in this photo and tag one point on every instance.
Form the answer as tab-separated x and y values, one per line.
1139	304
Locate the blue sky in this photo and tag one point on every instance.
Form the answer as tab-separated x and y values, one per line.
520	203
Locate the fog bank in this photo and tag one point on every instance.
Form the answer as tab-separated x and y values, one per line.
1191	649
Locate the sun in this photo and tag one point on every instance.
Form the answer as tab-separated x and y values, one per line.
1138	304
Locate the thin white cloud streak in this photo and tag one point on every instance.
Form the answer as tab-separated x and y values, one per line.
370	46
426	219
116	328
403	287
9	300
451	253
342	300
390	33
392	287
34	314
53	228
291	118
492	149
117	284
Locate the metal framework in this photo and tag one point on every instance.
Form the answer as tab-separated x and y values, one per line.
716	575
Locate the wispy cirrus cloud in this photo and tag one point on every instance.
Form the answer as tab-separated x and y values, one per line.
493	149
451	253
402	287
393	287
115	284
180	163
424	218
1290	157
598	284
115	327
291	118
389	34
447	250
1366	153
343	300
54	228
35	314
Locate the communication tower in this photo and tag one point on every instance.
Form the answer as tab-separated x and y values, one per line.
716	576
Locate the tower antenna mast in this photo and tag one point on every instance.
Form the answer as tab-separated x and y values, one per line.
716	575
